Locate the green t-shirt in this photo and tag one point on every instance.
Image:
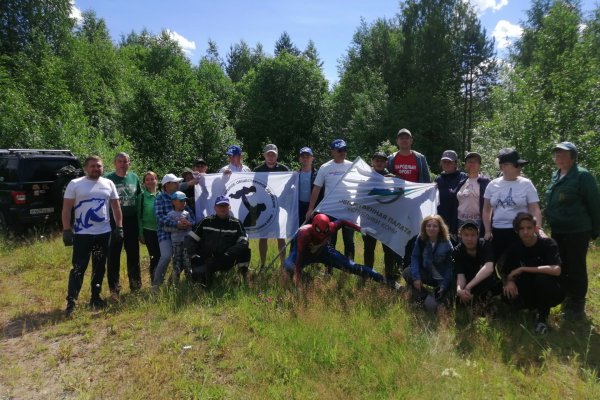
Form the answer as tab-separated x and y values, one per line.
129	190
147	214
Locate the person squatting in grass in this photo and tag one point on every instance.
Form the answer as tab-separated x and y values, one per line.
89	197
530	271
312	245
218	243
476	280
431	264
181	261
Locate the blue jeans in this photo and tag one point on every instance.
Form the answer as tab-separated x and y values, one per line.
166	251
84	247
330	256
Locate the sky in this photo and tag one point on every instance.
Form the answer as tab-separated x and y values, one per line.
329	23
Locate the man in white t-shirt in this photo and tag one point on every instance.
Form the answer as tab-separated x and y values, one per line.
234	154
90	233
328	176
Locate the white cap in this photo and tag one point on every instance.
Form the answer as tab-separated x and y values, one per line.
170	178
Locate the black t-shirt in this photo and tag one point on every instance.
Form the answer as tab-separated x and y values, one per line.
276	168
543	252
468	265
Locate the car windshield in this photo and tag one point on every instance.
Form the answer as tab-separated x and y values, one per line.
40	169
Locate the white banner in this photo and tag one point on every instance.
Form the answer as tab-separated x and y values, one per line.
393	207
265	202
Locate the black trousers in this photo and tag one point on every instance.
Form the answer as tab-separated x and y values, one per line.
573	248
84	247
538	292
501	240
389	257
151	239
132	248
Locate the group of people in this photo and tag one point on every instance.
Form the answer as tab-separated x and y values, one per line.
486	239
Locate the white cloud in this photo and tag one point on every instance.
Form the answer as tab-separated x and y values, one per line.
75	13
505	33
186	45
483	5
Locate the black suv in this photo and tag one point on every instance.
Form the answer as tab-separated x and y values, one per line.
32	184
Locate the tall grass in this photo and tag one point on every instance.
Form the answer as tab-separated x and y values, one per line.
338	337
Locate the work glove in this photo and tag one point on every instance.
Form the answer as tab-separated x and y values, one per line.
117	235
68	237
368	231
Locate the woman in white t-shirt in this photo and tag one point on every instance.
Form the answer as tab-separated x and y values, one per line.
504	198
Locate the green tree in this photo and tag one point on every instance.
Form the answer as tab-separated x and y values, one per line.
283	103
285	44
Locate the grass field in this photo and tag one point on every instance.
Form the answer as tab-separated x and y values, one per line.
338	338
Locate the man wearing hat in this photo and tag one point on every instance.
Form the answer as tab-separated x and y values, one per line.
573	212
218	243
234	153
474	266
378	163
306	179
406	163
328	176
447	183
270	155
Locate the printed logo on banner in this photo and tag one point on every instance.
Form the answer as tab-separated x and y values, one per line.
258	206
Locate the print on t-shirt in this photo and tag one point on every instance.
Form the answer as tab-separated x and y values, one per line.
508	200
87	212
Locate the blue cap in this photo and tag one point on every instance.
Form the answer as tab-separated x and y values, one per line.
234	150
178	196
338	144
306	150
568	146
222	200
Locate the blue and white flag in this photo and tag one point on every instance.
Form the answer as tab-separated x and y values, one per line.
265	202
392	207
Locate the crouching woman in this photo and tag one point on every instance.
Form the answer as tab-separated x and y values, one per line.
431	264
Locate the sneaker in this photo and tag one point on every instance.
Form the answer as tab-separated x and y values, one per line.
70	308
541	328
97	303
393	284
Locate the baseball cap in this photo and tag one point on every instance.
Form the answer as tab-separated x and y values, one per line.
404	131
270	148
379	154
306	150
469	224
510	156
178	196
473	154
222	200
566	146
234	150
168	178
200	161
338	144
449	155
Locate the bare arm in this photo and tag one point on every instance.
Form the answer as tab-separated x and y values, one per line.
66	213
117	214
487	218
313	201
553	270
534	209
482	274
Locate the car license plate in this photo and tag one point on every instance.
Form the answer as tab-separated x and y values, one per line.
37	211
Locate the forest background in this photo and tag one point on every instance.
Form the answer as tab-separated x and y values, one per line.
432	68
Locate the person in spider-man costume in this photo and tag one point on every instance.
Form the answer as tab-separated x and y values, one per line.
311	245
